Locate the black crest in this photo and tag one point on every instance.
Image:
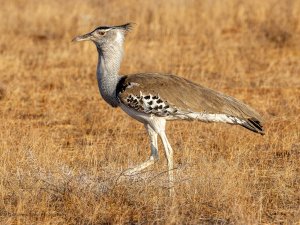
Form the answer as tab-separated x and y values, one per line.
126	27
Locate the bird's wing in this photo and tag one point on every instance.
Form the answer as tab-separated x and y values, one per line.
169	95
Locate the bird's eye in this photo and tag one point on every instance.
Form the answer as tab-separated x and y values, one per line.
101	32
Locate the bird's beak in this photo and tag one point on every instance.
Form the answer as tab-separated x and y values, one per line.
85	37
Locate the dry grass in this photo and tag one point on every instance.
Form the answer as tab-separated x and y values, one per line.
62	147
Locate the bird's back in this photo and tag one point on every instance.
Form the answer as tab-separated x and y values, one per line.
177	98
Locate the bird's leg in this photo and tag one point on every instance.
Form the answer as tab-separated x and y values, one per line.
169	156
154	153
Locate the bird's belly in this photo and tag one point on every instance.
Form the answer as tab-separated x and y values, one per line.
157	123
141	117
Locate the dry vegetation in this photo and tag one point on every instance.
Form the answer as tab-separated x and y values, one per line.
62	148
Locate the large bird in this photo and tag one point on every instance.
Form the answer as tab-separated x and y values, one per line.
153	98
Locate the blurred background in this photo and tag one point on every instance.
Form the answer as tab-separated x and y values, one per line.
62	147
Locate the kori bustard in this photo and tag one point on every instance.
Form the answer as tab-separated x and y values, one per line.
153	98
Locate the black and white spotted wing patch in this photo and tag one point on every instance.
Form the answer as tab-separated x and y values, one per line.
150	104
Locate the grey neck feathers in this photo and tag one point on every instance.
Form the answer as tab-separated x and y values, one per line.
109	62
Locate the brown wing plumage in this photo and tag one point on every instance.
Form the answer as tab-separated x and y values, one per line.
186	96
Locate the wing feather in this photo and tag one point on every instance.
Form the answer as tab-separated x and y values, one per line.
189	97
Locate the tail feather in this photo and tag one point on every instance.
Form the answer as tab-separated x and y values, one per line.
254	125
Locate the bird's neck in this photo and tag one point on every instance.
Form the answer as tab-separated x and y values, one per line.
109	62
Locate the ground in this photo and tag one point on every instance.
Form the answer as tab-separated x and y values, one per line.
62	148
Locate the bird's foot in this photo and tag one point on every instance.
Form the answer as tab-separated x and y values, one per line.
139	168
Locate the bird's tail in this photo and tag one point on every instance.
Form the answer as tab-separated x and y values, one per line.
254	125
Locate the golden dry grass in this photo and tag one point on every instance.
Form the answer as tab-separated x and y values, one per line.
62	147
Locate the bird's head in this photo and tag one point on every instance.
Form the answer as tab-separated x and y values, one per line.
106	35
